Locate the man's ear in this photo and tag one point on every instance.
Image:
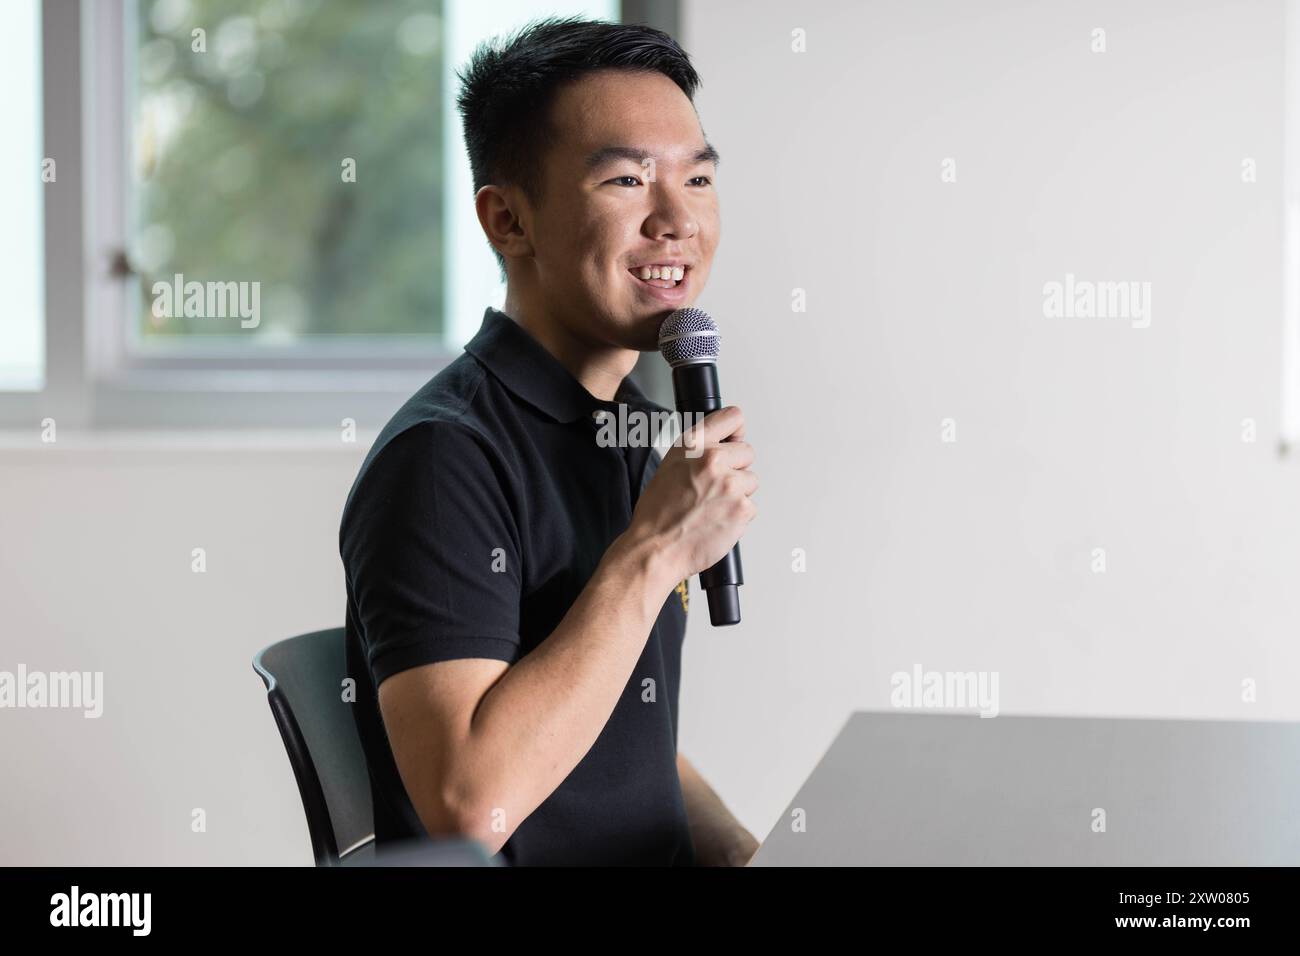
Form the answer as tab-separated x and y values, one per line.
502	214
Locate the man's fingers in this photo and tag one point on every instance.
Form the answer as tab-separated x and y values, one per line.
737	454
719	426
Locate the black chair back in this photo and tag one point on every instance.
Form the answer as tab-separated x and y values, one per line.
304	685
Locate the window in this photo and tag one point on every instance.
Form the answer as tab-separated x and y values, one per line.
285	159
263	214
23	171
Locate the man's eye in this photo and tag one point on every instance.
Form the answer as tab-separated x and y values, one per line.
705	180
621	181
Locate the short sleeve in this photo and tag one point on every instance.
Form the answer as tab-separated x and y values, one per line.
431	552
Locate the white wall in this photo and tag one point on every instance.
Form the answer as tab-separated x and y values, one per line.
95	575
924	303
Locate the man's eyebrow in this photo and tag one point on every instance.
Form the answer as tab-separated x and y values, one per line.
707	155
608	154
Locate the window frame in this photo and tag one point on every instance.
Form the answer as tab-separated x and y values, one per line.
312	383
93	381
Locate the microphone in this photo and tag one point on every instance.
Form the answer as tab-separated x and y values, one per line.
688	341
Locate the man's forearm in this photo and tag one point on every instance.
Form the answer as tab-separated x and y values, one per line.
540	719
719	838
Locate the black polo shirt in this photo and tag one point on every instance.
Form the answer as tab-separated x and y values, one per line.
476	520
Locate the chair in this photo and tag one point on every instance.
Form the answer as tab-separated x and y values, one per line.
304	686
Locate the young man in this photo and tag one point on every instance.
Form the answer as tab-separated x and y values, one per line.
517	590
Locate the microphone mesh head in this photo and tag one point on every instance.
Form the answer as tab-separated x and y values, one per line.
688	335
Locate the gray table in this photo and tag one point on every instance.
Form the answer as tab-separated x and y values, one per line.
927	788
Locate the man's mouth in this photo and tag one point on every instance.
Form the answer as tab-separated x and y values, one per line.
661	276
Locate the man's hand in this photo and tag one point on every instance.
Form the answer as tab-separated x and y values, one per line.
735	848
698	503
718	837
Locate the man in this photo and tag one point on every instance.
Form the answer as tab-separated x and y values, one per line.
517	590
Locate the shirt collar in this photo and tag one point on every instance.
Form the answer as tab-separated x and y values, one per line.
523	365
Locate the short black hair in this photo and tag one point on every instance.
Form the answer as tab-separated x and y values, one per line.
509	84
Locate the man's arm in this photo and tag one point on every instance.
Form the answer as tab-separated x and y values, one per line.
719	838
480	744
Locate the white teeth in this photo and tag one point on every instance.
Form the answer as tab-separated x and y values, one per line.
663	273
674	272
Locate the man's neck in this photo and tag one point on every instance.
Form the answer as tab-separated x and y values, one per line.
600	369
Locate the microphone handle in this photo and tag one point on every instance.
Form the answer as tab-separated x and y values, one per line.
695	386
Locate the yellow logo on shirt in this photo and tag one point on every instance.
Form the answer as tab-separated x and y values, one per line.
682	590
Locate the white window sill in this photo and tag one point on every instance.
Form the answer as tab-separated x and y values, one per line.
28	441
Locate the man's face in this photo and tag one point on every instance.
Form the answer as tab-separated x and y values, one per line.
628	184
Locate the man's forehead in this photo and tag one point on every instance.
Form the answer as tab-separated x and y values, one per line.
616	89
610	106
609	116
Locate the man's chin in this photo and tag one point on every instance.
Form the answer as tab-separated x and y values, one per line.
645	336
647	324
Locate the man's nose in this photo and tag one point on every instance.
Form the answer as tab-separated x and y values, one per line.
671	217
